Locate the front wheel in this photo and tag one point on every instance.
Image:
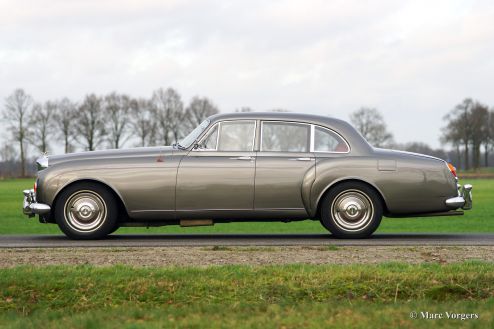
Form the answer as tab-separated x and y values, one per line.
86	211
351	210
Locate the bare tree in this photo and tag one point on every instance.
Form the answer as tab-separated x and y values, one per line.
423	148
198	110
244	109
42	124
16	112
371	125
8	153
451	134
117	108
142	121
169	110
459	127
64	121
89	124
479	115
8	160
489	136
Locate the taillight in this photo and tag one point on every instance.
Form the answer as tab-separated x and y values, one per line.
35	186
452	169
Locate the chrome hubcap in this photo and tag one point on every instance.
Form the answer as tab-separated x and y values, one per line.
85	211
352	210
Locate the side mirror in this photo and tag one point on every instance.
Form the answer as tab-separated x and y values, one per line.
196	146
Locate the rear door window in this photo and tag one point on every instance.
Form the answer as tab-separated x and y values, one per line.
285	137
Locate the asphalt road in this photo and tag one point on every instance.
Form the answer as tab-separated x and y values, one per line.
164	240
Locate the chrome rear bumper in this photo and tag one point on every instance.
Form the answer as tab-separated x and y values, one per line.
30	207
463	200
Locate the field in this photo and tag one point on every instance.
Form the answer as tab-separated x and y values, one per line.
290	296
479	219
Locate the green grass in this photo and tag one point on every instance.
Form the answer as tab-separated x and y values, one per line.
480	219
289	296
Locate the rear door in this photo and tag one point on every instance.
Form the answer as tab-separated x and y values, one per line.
284	167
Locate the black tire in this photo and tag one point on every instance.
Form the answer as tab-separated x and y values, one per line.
351	210
97	213
114	229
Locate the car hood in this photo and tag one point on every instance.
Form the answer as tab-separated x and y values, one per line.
405	154
110	154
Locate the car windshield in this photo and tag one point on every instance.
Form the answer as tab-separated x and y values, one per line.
192	137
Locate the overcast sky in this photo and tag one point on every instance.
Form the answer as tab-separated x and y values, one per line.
412	60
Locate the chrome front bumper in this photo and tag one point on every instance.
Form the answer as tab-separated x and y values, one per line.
463	200
30	207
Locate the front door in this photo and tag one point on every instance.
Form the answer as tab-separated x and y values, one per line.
218	175
285	167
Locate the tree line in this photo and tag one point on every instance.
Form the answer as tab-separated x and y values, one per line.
117	120
99	121
469	128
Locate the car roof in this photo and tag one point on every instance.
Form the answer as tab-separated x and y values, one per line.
284	116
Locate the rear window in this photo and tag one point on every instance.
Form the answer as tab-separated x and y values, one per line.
326	140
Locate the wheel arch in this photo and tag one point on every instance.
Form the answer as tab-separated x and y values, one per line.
122	209
349	180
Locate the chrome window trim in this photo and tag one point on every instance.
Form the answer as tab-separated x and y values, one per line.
282	121
191	146
312	134
256	132
334	132
206	135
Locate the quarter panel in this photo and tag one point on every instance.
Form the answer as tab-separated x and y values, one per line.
416	186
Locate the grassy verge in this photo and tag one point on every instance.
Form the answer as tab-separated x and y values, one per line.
477	173
290	296
477	220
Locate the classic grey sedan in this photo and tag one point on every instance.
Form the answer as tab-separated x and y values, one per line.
245	167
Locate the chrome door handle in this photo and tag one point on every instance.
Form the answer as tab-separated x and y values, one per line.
243	158
302	159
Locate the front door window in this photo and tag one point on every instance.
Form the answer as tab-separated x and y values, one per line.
236	136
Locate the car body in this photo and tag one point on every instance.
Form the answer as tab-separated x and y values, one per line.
245	167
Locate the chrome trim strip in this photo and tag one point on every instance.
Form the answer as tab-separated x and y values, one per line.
182	210
147	210
312	133
276	209
263	209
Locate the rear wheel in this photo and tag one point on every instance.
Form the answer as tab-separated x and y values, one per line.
351	210
86	211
